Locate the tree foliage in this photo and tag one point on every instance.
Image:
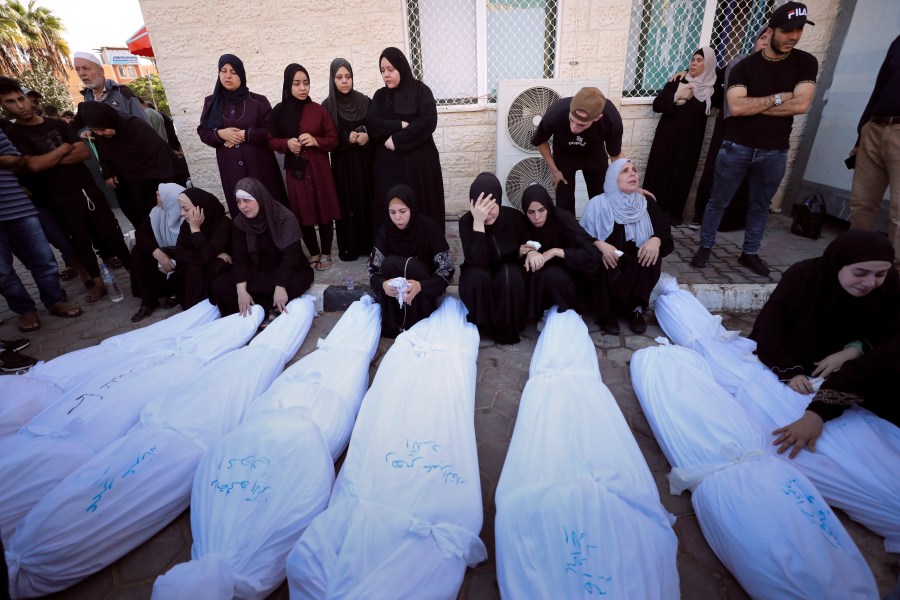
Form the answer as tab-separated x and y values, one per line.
142	87
30	33
41	78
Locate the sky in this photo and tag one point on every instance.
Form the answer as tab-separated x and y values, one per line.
91	24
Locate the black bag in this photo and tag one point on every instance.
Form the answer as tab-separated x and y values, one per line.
808	217
295	165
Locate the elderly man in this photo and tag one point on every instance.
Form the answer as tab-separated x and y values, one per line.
99	88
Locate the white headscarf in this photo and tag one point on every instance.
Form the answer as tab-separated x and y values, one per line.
704	84
615	206
166	221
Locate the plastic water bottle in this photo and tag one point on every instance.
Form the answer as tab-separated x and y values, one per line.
112	285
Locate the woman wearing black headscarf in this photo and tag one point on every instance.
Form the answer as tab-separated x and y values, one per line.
410	246
268	264
492	278
565	254
401	120
830	309
351	162
202	250
129	149
302	130
235	122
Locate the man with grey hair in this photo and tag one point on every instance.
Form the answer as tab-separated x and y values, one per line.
98	88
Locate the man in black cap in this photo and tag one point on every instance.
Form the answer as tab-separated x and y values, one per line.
586	131
765	91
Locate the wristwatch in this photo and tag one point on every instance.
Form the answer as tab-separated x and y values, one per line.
778	100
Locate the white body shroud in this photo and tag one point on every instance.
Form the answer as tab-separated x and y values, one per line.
135	486
258	487
24	396
578	512
405	513
762	517
102	409
856	465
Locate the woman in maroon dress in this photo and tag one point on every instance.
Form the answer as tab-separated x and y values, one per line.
302	130
235	122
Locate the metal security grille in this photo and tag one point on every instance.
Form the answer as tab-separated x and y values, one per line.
664	34
461	48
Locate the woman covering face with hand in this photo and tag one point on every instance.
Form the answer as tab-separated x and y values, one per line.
411	247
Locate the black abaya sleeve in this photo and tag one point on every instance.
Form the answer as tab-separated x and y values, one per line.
240	256
422	126
197	249
379	125
376	258
144	238
662	228
288	263
474	243
580	252
773	325
665	101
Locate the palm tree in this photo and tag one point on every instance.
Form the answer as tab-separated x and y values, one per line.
31	32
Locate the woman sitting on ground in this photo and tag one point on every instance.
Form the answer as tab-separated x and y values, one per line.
203	246
151	258
565	254
622	221
411	247
492	278
269	267
828	310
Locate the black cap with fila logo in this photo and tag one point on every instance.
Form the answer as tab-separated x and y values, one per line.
790	16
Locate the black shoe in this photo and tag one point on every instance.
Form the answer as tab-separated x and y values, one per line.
13	345
695	224
754	263
608	324
10	361
701	258
142	313
170	303
636	322
113	262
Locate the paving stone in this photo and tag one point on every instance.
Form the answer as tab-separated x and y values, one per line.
493	357
638	342
619	355
605	341
694	545
507	402
639	424
695	583
491	455
140	591
492	424
653	454
680	505
484	396
98	585
501	378
479	585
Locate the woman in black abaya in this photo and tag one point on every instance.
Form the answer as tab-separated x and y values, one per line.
411	246
401	120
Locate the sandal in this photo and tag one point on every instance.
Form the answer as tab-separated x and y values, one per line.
325	263
97	292
64	310
29	322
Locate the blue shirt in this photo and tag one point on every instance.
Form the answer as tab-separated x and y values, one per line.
14	202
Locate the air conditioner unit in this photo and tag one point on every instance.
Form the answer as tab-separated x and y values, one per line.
521	103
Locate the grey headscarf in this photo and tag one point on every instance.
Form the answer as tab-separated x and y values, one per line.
615	206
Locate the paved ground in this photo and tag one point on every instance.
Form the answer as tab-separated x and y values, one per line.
502	373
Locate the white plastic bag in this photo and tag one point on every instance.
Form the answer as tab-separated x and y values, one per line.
405	513
578	511
141	482
720	454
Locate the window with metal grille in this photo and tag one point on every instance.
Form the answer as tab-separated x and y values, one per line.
461	48
665	33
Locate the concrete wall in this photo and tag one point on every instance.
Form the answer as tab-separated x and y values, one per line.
188	36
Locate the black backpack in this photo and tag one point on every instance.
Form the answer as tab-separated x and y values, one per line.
808	217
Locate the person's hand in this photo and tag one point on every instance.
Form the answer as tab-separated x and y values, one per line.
224	256
389	144
524	249
390	290
648	253
646	194
834	362
195	218
67	147
165	261
801	433
800	384
480	207
404	124
353	137
412	291
245	302
610	260
87	134
232	136
557	176
112	182
294	145
678	75
308	141
534	261
362	138
280	299
855	151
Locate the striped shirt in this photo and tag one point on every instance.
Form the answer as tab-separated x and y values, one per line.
14	202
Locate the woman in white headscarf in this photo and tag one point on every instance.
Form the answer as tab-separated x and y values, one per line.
622	220
684	104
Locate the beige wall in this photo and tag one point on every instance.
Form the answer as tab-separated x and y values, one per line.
188	36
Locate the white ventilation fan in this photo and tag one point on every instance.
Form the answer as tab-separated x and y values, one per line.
520	106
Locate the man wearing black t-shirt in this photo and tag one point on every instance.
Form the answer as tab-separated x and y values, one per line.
55	173
765	91
587	132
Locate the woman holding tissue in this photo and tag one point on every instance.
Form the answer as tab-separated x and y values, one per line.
633	236
410	266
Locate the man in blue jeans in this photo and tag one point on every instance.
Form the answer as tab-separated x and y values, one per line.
21	234
765	91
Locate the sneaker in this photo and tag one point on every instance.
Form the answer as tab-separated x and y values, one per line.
608	324
636	322
754	263
700	258
10	361
695	224
13	345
